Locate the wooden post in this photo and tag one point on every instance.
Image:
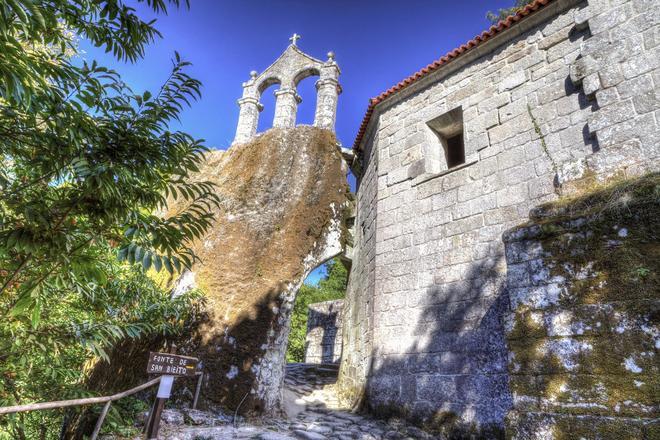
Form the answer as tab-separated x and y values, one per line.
99	422
154	420
198	388
153	424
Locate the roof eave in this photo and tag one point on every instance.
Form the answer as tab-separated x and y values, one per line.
473	47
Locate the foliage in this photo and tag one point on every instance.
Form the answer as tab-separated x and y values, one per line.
123	415
332	286
503	13
85	166
49	362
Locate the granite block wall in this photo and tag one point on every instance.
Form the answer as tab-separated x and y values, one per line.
427	294
323	343
358	304
619	70
583	328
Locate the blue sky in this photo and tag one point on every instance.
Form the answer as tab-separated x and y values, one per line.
377	43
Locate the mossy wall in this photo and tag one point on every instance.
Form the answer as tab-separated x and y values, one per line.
583	335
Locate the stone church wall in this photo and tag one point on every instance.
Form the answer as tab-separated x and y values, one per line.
358	304
427	290
324	332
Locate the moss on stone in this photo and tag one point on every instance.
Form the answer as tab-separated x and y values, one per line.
526	325
524	385
652	430
603	250
571	428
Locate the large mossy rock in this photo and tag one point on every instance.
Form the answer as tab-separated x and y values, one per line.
283	200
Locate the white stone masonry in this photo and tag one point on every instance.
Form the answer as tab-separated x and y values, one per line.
288	70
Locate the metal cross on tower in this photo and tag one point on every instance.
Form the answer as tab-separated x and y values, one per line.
294	38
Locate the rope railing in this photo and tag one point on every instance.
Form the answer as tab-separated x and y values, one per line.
79	402
153	421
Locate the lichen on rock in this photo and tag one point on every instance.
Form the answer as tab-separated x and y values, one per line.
284	198
280	216
583	330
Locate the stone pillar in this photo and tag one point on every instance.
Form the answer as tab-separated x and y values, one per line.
326	103
328	90
286	107
248	117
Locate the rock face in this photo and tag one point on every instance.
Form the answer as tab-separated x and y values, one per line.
283	197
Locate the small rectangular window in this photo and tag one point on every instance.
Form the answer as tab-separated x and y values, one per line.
455	151
448	128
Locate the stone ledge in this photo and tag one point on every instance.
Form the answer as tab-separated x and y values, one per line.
430	176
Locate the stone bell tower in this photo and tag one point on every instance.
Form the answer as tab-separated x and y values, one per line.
288	70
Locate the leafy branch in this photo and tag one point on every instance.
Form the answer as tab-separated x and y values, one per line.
87	166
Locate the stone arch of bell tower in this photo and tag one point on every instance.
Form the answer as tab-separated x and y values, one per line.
288	70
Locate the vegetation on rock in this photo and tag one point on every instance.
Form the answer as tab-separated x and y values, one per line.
502	13
84	164
591	350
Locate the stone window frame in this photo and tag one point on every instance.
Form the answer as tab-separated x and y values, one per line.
433	163
441	132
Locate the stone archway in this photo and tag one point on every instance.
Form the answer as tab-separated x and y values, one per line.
267	99
271	379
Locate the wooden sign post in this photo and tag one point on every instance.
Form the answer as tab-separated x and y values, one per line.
168	365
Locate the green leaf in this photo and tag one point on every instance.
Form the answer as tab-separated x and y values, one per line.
176	263
139	253
23	304
122	254
146	261
36	13
18	10
168	264
36	314
157	262
13	238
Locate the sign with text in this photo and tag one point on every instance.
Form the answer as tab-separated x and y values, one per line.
171	364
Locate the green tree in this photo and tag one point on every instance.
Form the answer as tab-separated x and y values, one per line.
86	164
332	286
503	13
